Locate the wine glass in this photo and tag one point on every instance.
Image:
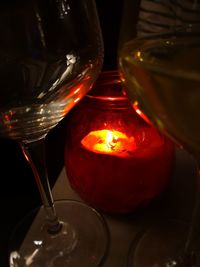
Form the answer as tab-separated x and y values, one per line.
51	53
159	63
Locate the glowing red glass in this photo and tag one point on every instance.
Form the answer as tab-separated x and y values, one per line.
115	160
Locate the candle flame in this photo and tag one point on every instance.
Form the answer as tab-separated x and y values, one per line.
111	139
108	142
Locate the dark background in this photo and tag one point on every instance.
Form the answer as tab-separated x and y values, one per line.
18	192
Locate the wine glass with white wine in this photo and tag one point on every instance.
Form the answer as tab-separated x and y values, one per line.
51	52
160	67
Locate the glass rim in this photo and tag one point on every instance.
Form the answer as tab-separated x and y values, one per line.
106	78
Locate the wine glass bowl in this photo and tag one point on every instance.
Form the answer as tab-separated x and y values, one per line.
50	56
51	53
162	68
158	62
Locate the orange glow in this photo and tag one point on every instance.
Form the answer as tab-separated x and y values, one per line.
77	90
140	113
77	99
138	54
7	119
109	142
73	96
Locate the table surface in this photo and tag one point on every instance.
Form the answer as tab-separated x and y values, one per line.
175	204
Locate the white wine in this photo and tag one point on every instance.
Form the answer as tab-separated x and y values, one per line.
162	78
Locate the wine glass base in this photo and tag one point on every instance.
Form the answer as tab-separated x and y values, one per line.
83	240
160	246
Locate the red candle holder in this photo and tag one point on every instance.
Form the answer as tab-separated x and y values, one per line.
115	160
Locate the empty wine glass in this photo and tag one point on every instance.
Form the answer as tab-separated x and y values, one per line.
51	53
159	63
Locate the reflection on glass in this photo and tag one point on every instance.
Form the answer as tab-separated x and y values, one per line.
160	68
50	55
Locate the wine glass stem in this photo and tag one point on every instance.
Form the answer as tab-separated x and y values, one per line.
193	240
34	153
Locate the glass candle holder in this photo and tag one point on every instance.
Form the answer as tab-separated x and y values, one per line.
115	160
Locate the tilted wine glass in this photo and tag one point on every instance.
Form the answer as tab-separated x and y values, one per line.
159	63
51	53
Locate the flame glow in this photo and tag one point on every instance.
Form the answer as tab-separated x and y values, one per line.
109	142
140	113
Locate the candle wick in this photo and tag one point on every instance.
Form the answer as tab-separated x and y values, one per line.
112	144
